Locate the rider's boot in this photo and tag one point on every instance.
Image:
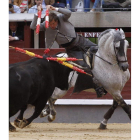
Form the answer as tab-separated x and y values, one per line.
98	88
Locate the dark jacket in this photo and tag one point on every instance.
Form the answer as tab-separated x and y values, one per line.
19	34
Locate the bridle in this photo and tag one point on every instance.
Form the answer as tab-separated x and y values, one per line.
120	47
116	53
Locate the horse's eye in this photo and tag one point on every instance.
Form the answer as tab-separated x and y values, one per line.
117	44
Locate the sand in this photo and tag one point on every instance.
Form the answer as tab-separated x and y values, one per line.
67	131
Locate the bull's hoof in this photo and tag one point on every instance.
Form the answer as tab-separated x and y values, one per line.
12	128
23	123
17	122
51	118
102	126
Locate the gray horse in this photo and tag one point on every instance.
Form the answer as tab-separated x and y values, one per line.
110	69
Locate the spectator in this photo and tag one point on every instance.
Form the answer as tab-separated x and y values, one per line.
70	4
124	3
86	5
97	4
43	2
13	8
60	3
23	4
116	4
34	8
48	2
14	32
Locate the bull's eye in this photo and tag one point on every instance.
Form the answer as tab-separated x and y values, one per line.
117	44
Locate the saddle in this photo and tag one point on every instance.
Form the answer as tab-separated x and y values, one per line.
89	57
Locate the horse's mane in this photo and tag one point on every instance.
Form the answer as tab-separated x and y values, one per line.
117	35
103	37
103	33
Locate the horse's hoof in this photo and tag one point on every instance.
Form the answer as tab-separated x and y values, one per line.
51	118
16	122
41	115
23	123
12	128
102	126
44	113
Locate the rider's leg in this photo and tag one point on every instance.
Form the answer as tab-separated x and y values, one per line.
92	48
78	51
78	54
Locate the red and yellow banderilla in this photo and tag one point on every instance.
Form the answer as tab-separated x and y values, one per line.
39	56
59	60
73	67
39	20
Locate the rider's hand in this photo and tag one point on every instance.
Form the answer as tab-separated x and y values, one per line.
39	8
49	7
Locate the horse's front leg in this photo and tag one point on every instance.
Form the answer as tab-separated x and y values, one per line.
108	115
20	116
126	108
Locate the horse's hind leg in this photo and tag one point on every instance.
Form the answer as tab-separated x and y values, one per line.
108	115
52	114
20	116
45	111
58	93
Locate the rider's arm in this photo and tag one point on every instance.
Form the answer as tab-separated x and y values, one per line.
65	13
34	22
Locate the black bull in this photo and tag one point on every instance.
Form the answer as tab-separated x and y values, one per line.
33	82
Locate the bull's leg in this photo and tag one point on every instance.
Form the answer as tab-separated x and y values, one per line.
11	127
38	108
52	114
13	109
20	116
108	115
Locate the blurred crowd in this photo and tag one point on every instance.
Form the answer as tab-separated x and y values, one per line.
30	6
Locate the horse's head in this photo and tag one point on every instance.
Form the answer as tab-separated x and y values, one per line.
118	44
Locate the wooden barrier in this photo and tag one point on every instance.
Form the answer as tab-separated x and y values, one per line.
15	57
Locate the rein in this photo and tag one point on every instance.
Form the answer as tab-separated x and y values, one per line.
103	59
115	54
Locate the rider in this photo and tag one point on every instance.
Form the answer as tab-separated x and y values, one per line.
63	32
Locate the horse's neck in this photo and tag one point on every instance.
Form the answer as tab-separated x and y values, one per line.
107	53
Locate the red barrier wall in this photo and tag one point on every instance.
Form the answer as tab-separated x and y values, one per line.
18	57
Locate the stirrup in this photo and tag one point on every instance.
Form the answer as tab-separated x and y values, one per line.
100	91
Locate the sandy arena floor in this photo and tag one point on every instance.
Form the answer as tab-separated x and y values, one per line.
63	131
